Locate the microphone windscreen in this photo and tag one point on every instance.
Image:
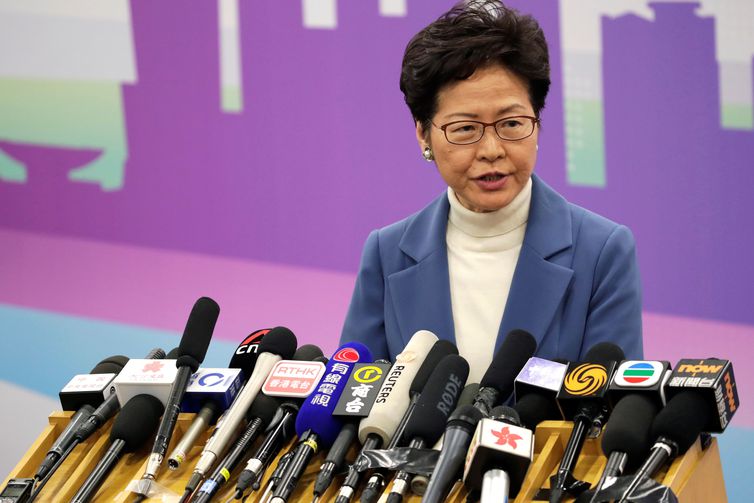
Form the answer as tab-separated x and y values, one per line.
173	354
199	328
316	412
263	407
604	353
438	399
106	368
513	354
468	394
393	398
137	421
110	363
279	341
440	350
533	408
628	429
245	355
307	353
682	419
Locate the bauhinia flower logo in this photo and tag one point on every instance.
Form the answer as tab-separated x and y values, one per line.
504	436
154	366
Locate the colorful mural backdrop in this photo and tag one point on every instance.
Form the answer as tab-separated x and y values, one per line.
152	153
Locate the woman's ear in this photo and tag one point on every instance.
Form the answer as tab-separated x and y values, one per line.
422	136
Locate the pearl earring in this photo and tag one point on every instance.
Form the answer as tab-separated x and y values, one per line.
427	154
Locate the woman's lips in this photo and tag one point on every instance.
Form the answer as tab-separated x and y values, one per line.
491	181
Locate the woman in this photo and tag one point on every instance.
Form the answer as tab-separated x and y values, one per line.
499	249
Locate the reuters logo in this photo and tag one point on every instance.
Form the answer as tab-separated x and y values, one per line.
368	374
585	379
347	355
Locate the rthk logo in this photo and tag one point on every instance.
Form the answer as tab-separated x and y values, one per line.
504	436
154	366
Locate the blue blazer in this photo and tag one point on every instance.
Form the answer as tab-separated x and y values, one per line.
576	282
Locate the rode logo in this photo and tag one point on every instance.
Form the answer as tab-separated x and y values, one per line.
251	343
346	355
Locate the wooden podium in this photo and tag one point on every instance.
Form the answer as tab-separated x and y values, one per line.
696	477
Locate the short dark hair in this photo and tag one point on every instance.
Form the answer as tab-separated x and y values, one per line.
468	37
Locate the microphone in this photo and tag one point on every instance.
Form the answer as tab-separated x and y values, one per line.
392	401
192	348
702	396
85	401
437	401
260	414
583	399
364	384
109	407
315	425
278	344
439	350
458	432
281	430
420	481
497	382
499	456
244	358
134	425
626	439
637	391
536	387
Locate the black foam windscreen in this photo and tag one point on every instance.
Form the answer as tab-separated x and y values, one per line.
279	341
263	407
604	353
438	399
533	408
199	328
308	353
506	414
173	354
439	350
682	419
137	421
513	354
109	363
106	368
628	429
468	394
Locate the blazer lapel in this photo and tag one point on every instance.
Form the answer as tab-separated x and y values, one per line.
539	285
421	292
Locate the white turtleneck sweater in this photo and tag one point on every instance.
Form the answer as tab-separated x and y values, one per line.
483	249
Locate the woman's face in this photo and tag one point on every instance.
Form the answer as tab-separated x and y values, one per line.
488	174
